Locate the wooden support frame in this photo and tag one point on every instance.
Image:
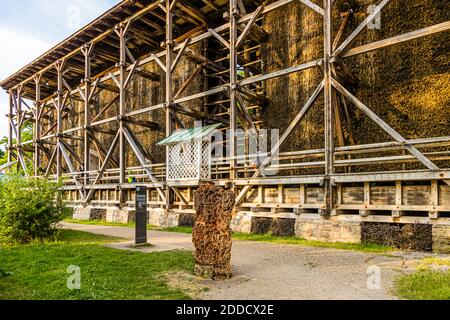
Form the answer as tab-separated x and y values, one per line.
239	27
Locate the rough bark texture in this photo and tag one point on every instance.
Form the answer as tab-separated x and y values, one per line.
401	236
212	233
282	227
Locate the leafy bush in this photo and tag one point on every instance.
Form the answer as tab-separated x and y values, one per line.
4	274
29	209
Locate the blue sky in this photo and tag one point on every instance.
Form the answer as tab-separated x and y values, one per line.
28	28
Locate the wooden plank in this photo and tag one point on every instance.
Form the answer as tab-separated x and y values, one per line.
367	193
313	6
434	193
398	39
291	195
271	195
403	208
360	28
252	196
444	195
352	195
315	195
383	195
399	193
417	195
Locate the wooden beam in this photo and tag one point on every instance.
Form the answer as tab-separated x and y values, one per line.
313	6
394	134
445	26
283	138
360	28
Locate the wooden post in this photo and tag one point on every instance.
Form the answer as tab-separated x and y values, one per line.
86	50
234	15
59	66
20	119
398	199
37	125
302	195
434	199
121	30
328	105
10	127
367	192
169	86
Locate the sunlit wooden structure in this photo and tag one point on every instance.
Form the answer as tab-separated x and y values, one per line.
113	51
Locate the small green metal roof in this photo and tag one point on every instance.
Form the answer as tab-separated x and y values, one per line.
193	134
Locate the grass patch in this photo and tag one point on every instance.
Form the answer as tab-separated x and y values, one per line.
101	223
80	237
431	281
187	230
434	263
128	225
424	285
39	270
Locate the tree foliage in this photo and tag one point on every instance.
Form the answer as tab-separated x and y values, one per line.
29	209
26	134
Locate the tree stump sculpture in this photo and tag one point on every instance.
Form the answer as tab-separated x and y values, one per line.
212	233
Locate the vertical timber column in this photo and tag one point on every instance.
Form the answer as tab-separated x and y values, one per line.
10	128
86	50
169	85
59	107
37	126
328	106
234	15
18	99
121	31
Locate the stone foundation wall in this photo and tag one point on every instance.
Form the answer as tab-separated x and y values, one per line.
242	222
120	216
441	239
88	213
163	218
319	229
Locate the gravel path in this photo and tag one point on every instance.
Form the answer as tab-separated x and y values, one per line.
274	271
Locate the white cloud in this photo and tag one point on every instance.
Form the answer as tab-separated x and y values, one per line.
18	49
31	27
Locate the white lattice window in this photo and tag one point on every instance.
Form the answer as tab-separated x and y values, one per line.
189	154
189	161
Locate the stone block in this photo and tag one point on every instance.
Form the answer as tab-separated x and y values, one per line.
242	222
320	229
89	213
117	215
441	239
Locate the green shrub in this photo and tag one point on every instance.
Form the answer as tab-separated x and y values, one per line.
29	209
4	274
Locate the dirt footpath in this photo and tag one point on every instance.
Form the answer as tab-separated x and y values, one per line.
274	271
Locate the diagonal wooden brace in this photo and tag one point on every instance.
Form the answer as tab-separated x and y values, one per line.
389	130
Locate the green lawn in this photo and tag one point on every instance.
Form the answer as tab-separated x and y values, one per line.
366	247
39	271
430	282
103	223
